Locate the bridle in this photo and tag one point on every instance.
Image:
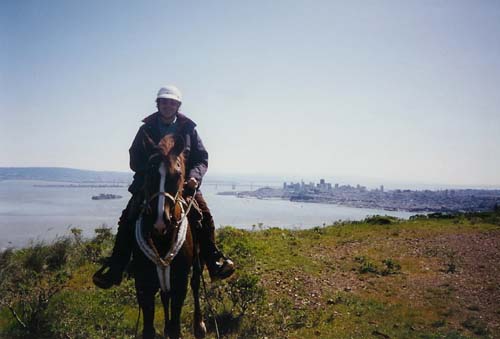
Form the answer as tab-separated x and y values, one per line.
174	199
178	237
161	194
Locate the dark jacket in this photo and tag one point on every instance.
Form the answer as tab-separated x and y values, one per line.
195	154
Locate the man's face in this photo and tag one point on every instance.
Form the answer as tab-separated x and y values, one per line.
168	108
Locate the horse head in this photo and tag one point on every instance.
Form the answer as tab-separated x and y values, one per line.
164	182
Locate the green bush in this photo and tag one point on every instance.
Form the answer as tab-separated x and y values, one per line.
33	283
380	220
238	305
92	314
29	279
92	251
391	267
236	245
365	265
239	301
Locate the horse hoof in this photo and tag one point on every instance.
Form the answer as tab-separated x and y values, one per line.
148	335
170	334
200	330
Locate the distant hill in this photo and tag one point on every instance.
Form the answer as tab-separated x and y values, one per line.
63	175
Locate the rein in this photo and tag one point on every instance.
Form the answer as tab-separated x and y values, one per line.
166	195
149	249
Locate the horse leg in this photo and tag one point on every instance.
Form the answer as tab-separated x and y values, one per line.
146	299
178	294
165	300
199	327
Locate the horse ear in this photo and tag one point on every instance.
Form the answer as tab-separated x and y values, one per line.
180	144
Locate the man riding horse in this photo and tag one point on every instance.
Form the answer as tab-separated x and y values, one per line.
167	120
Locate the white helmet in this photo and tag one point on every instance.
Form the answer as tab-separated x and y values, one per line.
169	92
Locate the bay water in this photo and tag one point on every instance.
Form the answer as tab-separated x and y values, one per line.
39	211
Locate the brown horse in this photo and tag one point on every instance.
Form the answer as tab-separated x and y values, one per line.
165	250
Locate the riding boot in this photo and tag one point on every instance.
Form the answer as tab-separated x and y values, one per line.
112	271
219	267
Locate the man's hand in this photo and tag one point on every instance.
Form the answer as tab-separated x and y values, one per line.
192	183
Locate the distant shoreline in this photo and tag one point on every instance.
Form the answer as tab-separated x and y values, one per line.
80	185
61	174
426	201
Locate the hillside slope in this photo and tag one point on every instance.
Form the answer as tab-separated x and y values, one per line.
381	278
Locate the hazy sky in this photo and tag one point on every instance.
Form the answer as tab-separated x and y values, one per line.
406	91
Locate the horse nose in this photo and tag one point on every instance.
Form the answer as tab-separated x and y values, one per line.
160	226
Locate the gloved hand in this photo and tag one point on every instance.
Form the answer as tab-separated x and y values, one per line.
192	183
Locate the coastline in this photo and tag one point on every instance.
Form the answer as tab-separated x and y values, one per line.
413	201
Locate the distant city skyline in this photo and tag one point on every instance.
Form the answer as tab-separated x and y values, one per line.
59	174
383	92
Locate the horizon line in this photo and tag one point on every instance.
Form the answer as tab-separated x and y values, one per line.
282	177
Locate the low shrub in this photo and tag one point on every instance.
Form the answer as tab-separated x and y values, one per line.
380	220
391	267
475	325
366	266
29	280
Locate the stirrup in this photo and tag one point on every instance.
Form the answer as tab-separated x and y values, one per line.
106	277
221	271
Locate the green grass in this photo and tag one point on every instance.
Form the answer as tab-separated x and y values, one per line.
381	278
